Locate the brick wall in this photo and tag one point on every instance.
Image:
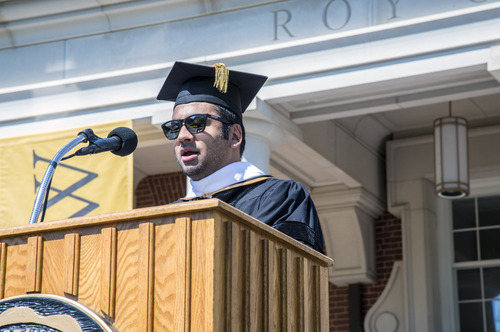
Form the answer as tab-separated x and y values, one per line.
339	308
160	189
165	188
388	248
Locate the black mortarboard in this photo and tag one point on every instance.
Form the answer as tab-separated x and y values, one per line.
215	84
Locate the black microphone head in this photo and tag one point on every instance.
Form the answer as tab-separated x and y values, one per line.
129	140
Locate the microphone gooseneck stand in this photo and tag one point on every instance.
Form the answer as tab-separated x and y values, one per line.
82	137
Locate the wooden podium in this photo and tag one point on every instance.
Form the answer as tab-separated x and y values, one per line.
197	266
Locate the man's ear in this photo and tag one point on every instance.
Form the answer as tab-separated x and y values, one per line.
235	136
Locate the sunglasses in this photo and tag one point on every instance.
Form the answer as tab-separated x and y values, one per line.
195	124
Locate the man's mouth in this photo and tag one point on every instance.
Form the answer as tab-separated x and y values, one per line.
188	154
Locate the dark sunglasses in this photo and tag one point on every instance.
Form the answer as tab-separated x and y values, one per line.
195	124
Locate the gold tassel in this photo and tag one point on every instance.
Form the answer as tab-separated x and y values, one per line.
221	77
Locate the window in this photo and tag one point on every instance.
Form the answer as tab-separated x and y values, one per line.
476	244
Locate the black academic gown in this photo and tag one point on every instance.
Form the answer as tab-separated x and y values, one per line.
282	204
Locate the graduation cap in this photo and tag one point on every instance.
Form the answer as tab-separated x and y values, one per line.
215	84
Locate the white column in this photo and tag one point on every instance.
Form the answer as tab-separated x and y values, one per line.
261	137
257	152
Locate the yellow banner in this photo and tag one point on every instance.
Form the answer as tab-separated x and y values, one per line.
81	186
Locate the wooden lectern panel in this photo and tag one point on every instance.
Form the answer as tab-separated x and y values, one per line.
197	266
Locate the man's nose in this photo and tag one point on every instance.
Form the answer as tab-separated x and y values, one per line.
184	134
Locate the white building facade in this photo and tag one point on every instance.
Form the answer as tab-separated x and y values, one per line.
348	110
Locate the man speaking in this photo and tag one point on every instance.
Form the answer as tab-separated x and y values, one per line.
209	140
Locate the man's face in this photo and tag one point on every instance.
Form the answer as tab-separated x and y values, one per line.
199	155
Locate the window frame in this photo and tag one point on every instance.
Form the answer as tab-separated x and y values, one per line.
447	267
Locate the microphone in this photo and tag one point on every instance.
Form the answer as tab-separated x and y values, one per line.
121	141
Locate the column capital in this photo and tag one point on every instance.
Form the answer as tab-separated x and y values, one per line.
347	218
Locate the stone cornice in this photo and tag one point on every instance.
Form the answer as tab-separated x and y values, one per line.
337	197
32	22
